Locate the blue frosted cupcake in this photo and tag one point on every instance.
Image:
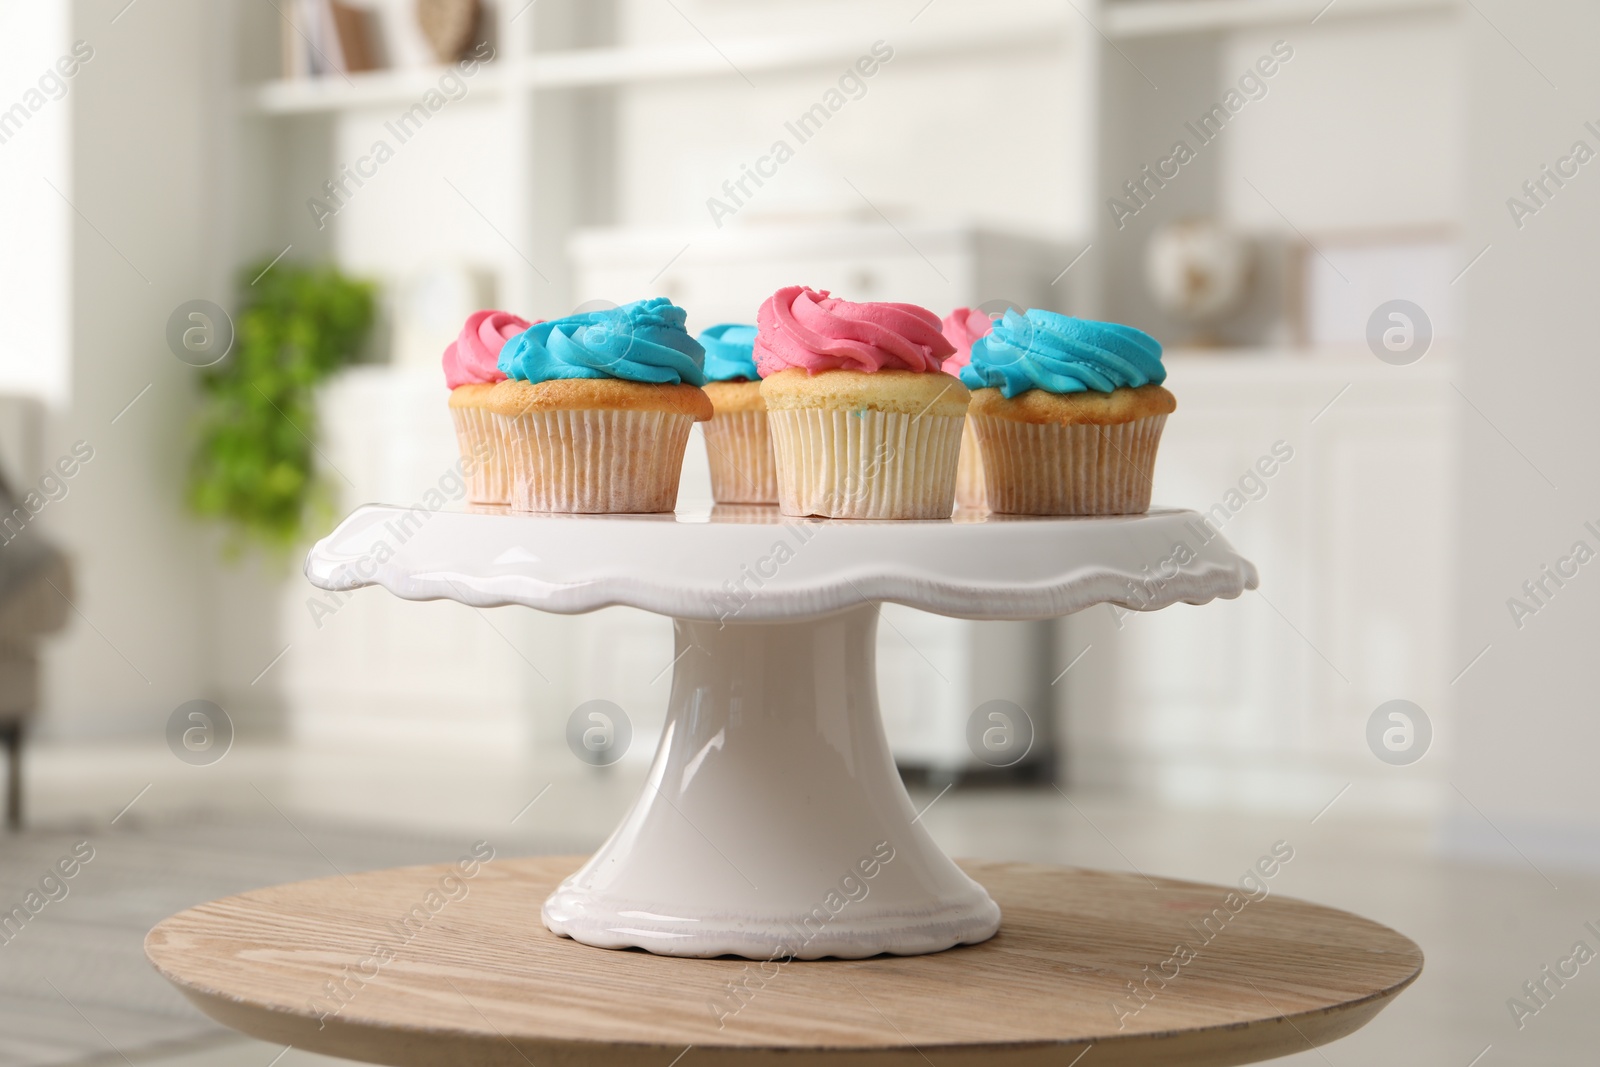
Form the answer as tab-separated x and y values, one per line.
596	409
1068	413
737	440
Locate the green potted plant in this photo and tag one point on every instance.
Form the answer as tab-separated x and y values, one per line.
254	460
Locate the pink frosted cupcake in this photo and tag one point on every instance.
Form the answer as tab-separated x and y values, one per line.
471	370
962	327
864	423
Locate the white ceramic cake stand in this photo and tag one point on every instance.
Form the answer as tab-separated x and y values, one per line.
773	822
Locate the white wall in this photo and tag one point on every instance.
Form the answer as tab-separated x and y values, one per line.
1361	130
1359	135
935	137
1529	732
136	168
408	217
1262	702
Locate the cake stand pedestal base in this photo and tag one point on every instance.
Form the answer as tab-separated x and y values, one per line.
773	823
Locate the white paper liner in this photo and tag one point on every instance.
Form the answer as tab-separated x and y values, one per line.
601	461
739	446
1051	469
865	464
970	491
485	463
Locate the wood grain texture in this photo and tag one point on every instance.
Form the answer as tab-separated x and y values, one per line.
481	981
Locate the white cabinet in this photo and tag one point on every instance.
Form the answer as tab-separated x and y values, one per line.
724	276
1253	701
368	664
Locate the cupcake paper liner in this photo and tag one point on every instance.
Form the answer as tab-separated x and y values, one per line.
743	471
485	463
970	491
1083	469
601	461
865	464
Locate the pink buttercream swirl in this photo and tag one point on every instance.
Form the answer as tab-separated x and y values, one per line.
472	358
800	327
962	327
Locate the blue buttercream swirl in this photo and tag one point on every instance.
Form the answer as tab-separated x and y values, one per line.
1060	354
730	350
639	342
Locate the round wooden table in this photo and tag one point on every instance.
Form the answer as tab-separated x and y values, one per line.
425	967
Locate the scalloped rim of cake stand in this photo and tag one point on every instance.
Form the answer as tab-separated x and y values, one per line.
978	567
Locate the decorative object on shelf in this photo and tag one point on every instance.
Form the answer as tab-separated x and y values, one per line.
1198	270
254	459
449	25
327	37
353	29
774	771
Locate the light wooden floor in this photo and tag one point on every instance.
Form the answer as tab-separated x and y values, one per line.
1486	929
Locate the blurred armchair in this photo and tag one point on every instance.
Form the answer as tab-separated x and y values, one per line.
35	584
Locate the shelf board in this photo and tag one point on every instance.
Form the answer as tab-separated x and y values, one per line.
1149	18
623	65
332	92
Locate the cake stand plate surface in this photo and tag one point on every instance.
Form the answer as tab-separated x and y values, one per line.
751	564
773	790
423	967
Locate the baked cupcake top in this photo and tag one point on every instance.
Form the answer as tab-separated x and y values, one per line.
1060	354
962	327
639	342
813	331
472	358
730	352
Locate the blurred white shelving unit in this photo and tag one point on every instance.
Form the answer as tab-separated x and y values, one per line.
548	110
532	153
1333	472
625	65
595	116
1145	18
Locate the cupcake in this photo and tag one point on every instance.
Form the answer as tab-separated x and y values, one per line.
737	441
597	409
1068	413
471	371
864	423
962	327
